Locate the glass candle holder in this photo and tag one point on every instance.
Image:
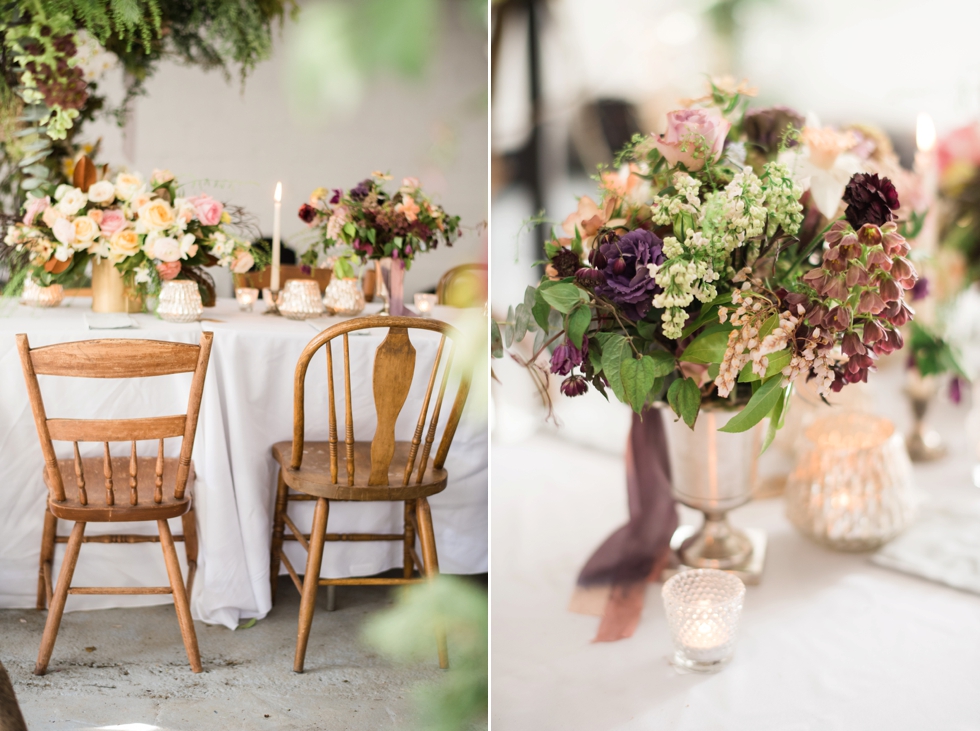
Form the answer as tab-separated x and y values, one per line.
247	297
344	297
424	303
301	299
38	296
180	301
852	490
703	609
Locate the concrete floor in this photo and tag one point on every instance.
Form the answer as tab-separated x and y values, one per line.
127	666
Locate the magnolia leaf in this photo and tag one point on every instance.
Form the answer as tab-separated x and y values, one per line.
578	322
706	348
638	378
564	297
761	403
614	351
85	174
684	398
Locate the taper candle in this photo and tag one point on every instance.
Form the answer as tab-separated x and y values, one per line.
276	224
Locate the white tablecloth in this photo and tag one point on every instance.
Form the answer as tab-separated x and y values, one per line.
828	641
247	406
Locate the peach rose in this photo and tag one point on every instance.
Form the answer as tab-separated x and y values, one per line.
127	185
692	136
124	243
242	262
168	270
139	200
85	229
95	214
159	177
157	215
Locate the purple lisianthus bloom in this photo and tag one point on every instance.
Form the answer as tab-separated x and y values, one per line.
567	356
360	191
629	282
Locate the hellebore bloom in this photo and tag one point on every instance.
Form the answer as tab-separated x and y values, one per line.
629	281
574	386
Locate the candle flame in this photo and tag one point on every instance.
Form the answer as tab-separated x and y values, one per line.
278	192
925	133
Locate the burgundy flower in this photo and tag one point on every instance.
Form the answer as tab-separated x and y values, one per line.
873	332
836	289
955	390
838	319
360	191
597	259
852	345
834	259
567	356
889	290
836	233
894	243
337	195
870	199
817	314
878	259
902	268
566	262
898	313
920	290
574	386
890	343
857	275
817	278
589	277
870	303
628	280
870	235
307	213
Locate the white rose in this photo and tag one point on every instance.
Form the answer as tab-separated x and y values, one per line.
165	248
127	184
72	201
101	192
188	246
64	232
60	191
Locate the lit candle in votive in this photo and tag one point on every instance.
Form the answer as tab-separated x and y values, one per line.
703	608
276	225
424	303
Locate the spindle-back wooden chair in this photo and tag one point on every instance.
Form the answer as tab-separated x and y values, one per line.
159	488
463	286
379	470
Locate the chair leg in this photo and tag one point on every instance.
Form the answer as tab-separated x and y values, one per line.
311	581
44	589
278	528
58	599
431	561
180	596
189	521
408	562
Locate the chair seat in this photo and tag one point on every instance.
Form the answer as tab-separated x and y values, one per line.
313	477
96	510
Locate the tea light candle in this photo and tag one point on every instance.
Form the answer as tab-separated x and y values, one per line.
246	297
424	303
703	609
276	226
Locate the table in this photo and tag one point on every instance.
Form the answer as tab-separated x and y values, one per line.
828	641
246	407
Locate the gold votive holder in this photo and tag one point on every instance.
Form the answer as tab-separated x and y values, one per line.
180	301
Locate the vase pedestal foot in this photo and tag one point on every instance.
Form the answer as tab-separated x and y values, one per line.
749	570
925	446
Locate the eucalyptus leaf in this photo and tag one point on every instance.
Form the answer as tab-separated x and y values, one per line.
522	317
508	331
496	342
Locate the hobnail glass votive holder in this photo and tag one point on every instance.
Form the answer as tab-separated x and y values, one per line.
703	609
246	296
344	297
301	299
180	301
37	296
424	303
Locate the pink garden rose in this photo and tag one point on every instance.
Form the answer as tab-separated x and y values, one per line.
207	208
112	220
960	145
34	207
691	129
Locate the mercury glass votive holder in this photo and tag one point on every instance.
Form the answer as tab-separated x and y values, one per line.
424	303
703	609
180	301
37	296
247	297
301	299
344	296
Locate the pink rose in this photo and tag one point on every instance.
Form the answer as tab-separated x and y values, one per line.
112	220
34	207
961	144
692	135
207	208
168	270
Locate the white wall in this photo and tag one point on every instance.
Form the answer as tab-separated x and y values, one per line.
435	128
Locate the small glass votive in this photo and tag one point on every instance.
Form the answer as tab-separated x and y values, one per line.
424	303
301	299
703	608
180	301
246	296
38	296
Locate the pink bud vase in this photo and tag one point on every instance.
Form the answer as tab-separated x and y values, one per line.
393	278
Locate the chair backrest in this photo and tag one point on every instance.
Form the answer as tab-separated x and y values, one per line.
463	286
394	371
115	358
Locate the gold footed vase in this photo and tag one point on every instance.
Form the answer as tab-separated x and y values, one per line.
109	291
923	443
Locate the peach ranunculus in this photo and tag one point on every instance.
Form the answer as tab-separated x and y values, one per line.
85	230
208	209
242	262
51	215
124	243
825	144
112	220
588	219
409	207
692	136
34	207
157	215
127	184
95	214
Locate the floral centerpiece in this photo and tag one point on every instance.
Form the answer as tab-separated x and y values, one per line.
694	281
146	230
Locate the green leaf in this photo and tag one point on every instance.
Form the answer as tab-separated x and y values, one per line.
684	398
522	318
638	378
777	361
663	363
496	342
614	351
564	297
541	309
647	330
350	229
577	323
761	403
706	348
508	330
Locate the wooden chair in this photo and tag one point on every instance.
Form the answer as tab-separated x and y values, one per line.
379	470
159	489
463	286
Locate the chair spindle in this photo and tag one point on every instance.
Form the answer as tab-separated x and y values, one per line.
158	478
80	477
417	437
349	438
134	495
431	436
333	416
110	498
